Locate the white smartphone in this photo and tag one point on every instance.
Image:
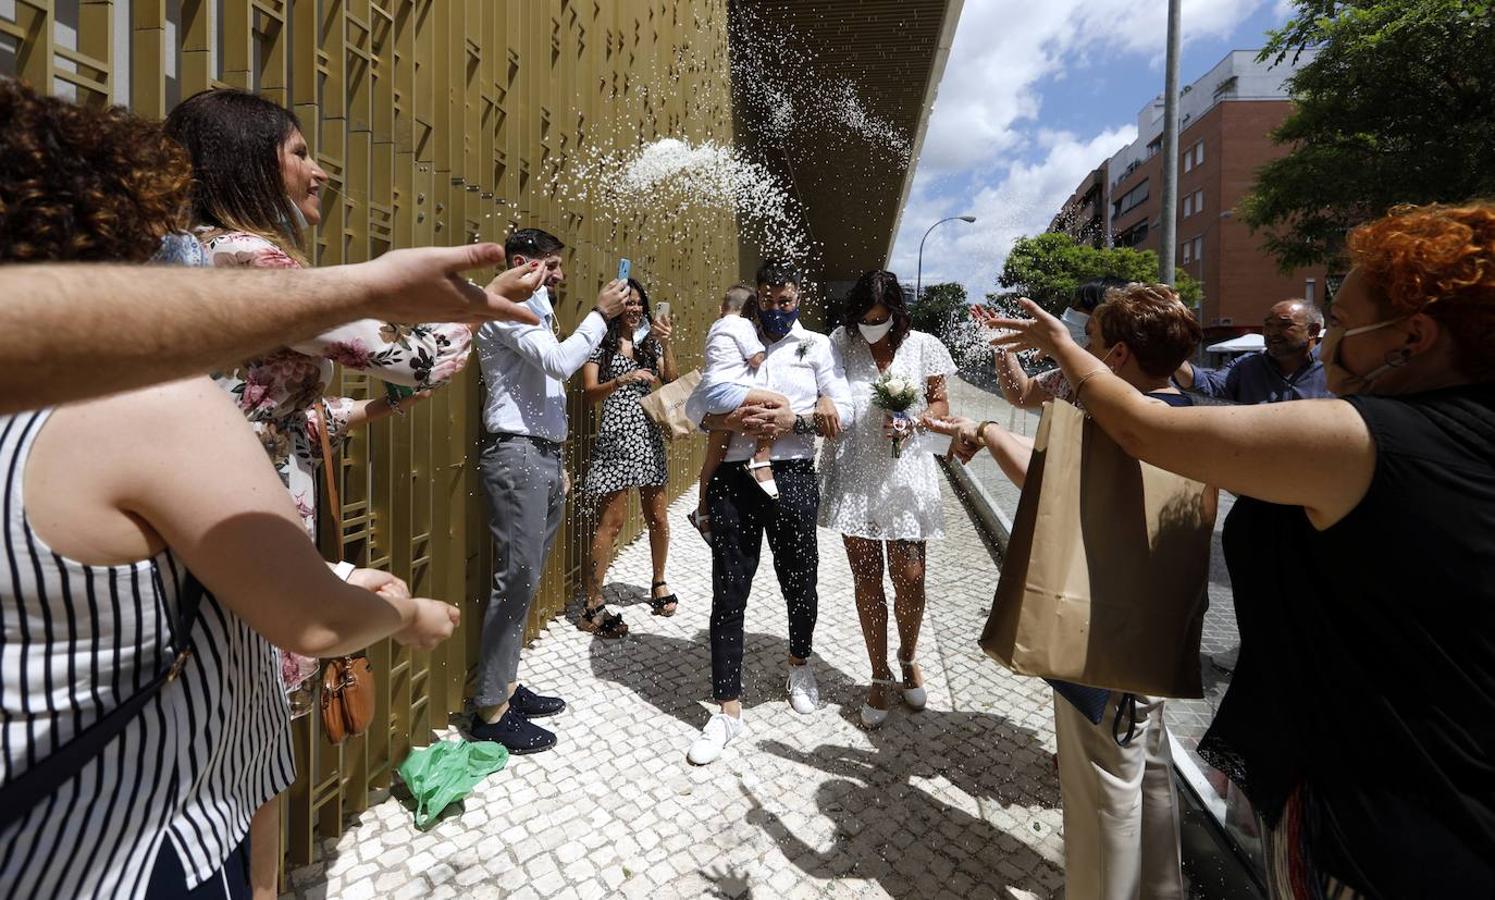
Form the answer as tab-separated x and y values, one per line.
662	310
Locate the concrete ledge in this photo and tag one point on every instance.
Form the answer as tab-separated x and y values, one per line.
989	514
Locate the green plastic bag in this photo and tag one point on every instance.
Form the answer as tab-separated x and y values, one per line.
442	774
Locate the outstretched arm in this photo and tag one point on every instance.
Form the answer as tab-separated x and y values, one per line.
188	466
68	332
1318	454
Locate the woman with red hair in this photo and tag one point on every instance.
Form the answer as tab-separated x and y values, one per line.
1361	719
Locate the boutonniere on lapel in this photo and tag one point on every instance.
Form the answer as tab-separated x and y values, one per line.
802	350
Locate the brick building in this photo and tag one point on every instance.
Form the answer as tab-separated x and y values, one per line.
1225	122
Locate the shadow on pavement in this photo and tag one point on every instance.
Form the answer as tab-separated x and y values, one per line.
674	674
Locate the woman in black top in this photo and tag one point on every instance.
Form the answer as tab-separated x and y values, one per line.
1361	719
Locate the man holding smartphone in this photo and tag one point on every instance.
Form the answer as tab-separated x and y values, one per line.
525	368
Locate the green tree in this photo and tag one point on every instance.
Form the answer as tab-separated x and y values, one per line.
1398	106
940	304
1049	268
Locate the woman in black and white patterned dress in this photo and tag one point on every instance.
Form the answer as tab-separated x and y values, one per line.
629	451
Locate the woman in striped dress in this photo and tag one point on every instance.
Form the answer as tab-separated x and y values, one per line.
95	550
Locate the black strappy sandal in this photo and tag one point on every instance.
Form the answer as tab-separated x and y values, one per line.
659	603
610	626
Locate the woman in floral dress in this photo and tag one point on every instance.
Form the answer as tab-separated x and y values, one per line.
255	189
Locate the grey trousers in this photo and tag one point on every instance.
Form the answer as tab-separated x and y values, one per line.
526	498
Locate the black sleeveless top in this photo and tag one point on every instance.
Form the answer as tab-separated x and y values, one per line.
1367	666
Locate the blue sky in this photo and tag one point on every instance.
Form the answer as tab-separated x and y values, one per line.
1034	97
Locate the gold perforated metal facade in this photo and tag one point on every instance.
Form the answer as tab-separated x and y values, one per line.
439	122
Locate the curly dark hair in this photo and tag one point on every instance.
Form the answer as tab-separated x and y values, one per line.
646	353
873	288
84	184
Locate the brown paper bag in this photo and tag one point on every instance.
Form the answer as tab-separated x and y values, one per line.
666	406
1105	578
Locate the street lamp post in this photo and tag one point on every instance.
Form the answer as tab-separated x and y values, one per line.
919	276
1168	249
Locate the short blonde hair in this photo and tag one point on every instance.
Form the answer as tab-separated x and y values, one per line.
738	295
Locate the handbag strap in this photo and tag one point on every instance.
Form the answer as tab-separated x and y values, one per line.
53	771
1126	705
334	506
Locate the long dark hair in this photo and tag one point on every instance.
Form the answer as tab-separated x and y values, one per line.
646	352
874	287
234	139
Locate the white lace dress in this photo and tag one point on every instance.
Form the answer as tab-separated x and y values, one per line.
864	491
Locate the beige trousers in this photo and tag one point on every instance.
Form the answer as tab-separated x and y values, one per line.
1120	809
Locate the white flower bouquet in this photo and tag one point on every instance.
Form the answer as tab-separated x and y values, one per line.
895	395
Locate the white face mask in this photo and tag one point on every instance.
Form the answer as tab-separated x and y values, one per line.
1350	382
641	332
875	333
1075	321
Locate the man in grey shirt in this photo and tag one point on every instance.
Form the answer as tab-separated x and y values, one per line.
1288	369
525	368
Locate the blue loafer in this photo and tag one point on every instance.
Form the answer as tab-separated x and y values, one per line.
534	706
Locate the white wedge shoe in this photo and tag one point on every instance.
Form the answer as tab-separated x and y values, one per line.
872	717
914	697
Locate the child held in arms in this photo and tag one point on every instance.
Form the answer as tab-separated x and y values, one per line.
733	355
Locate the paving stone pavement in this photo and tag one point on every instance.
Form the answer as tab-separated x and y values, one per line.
957	801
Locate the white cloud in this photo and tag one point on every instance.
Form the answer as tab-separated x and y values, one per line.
987	113
1019	200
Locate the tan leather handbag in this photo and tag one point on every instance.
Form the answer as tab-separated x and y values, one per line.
347	682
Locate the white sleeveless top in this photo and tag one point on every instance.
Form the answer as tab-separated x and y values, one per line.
76	641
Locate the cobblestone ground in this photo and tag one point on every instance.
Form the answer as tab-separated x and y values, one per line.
957	801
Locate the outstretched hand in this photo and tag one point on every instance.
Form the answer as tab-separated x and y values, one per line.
1043	333
425	284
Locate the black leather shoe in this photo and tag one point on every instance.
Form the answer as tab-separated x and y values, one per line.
518	734
533	705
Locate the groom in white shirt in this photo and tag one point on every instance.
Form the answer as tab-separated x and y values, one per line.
525	368
799	364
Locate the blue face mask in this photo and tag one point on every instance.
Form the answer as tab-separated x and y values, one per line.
776	322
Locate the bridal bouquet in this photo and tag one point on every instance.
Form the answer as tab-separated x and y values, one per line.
895	395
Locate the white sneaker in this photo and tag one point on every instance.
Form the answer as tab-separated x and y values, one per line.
720	730
804	694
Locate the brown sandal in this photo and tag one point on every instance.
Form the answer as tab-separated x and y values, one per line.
611	625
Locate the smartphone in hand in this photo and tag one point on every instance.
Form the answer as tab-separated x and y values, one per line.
662	310
625	268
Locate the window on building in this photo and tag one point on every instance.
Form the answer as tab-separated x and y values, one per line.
1189	160
1130	200
1199	154
1188	251
1132	236
1154	147
1198	245
1199	201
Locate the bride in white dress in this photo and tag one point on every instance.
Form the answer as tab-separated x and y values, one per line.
883	504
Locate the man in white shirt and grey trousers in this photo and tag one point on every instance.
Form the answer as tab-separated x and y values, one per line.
525	368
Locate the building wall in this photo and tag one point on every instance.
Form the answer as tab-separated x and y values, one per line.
1240	281
439	122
